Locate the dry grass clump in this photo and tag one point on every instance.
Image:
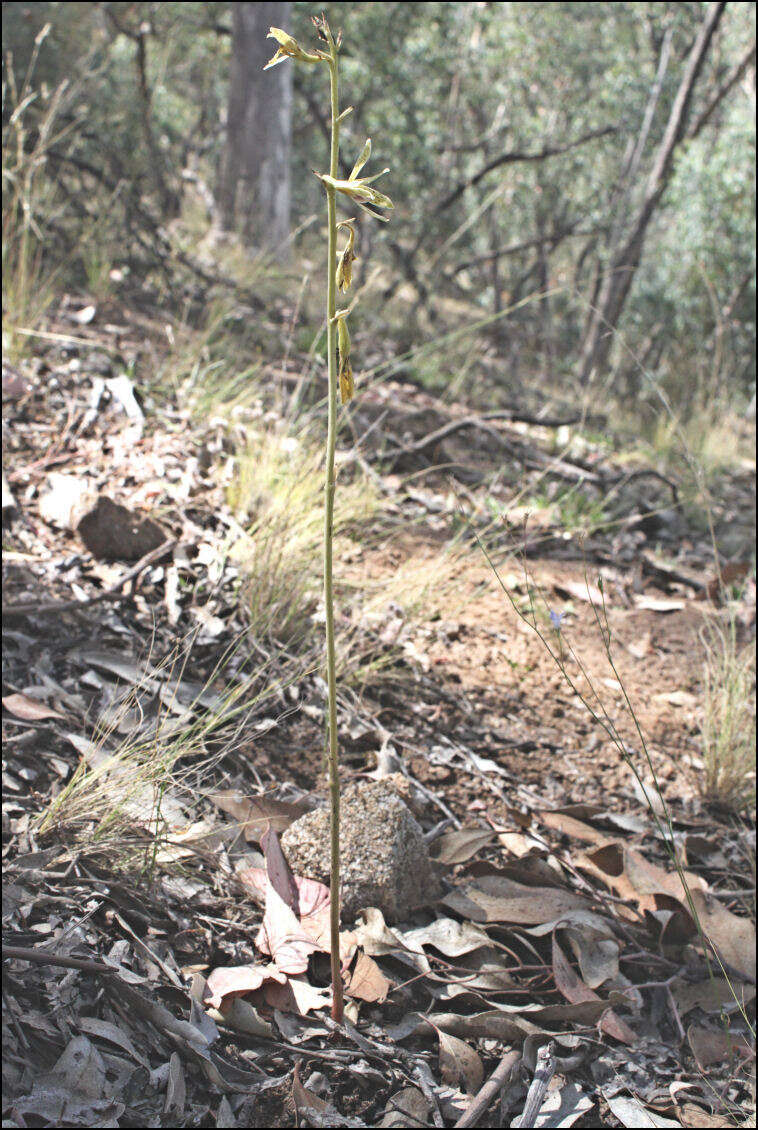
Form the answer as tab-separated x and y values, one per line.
728	728
133	798
716	438
29	197
277	496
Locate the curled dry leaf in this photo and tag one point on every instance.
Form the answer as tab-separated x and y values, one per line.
296	995
282	937
408	1107
630	1112
518	844
176	1088
278	870
710	1046
694	1116
571	986
256	813
629	874
457	847
712	995
449	936
303	1098
243	1017
495	898
494	1024
483	971
563	1107
570	826
733	937
105	1030
460	1065
366	982
597	954
376	938
233	981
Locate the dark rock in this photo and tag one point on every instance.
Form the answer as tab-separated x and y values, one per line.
111	532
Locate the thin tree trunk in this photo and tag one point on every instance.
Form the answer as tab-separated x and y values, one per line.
254	189
617	281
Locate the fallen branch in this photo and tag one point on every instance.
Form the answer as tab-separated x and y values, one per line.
113	592
497	1082
441	433
625	479
530	455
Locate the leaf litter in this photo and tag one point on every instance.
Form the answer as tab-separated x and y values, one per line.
196	989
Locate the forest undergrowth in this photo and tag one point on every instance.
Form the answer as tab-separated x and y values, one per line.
545	640
166	763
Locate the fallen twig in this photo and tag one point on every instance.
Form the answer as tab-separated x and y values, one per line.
113	592
497	1081
42	957
544	1072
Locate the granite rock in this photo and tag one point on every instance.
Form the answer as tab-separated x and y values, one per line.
383	854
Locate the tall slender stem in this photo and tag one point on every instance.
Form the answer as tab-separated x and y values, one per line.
331	675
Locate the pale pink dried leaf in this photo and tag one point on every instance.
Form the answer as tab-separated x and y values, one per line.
28	709
235	980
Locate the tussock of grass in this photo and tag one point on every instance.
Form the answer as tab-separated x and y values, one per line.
134	800
729	729
716	438
277	496
28	194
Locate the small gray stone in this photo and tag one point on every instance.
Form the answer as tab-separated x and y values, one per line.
384	861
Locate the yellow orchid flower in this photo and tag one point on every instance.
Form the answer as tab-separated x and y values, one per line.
358	188
288	48
360	191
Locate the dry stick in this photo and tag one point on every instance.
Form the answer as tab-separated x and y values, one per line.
497	1081
544	1072
41	957
111	593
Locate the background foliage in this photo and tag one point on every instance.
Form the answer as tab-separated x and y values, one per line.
129	172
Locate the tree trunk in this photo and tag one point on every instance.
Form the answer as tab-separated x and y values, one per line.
625	260
254	190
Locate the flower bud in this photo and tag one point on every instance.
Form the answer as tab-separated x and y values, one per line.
347	387
347	258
